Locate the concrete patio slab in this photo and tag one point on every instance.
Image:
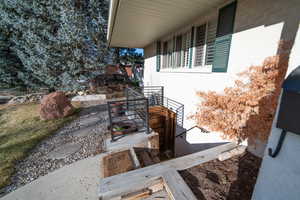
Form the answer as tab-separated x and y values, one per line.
76	181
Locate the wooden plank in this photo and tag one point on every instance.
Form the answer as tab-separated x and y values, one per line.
195	159
161	195
131	187
137	195
157	187
151	192
136	161
117	163
115	185
176	186
153	142
169	180
233	152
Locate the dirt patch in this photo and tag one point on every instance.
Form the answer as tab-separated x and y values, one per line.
147	157
232	179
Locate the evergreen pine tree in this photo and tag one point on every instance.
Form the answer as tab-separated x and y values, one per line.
58	40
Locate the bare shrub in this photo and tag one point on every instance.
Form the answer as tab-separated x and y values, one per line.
246	110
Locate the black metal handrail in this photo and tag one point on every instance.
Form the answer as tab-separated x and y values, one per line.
176	107
155	96
132	114
128	116
203	130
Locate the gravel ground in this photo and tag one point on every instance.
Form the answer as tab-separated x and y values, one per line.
88	131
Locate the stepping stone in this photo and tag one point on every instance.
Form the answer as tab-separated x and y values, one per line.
64	151
84	131
90	120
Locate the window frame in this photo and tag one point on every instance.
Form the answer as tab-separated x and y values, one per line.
191	50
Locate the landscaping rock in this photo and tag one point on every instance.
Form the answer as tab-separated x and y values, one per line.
34	97
5	99
18	100
55	105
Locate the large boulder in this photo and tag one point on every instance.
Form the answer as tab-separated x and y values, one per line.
55	105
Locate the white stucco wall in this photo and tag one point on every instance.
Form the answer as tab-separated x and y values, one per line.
259	26
279	178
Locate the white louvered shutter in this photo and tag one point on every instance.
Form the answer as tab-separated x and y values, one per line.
210	41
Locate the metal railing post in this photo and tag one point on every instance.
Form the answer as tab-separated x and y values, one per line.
110	121
147	116
127	90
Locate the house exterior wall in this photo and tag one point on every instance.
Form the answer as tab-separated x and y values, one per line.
279	177
259	26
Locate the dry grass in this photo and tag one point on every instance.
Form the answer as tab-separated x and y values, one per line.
21	130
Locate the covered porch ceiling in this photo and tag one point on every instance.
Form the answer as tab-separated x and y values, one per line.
137	23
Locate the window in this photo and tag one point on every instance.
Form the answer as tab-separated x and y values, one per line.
176	51
158	56
200	44
165	55
205	36
170	50
226	20
173	52
186	46
205	45
224	35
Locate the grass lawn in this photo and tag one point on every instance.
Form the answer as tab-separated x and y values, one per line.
20	130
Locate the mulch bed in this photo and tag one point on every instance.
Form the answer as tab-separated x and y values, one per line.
232	179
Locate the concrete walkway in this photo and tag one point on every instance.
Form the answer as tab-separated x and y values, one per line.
79	180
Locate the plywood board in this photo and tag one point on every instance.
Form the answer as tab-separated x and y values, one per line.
176	187
118	163
163	121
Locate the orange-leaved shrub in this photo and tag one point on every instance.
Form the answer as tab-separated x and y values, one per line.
246	110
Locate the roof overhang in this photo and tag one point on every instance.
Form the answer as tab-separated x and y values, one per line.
137	23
